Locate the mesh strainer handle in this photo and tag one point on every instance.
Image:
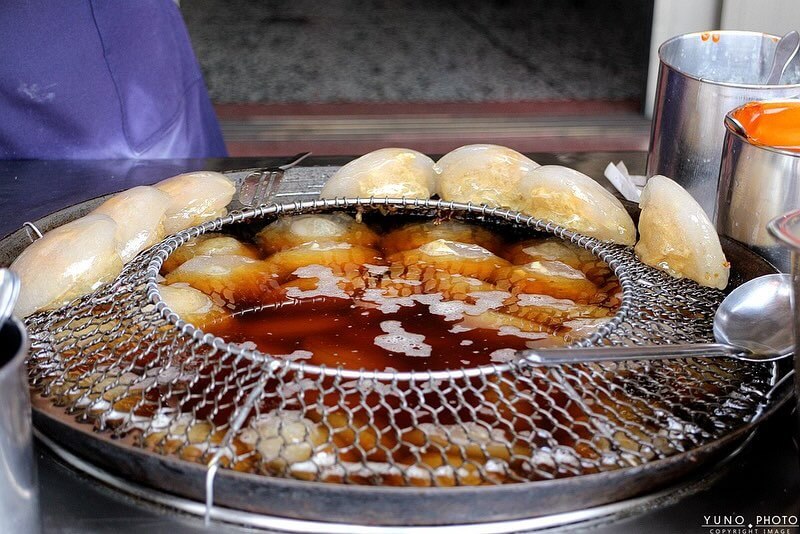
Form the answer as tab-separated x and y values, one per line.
640	352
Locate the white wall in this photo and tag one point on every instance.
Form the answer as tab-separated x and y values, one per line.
671	18
771	16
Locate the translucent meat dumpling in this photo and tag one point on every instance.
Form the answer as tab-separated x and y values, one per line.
483	174
676	235
208	245
478	441
451	256
68	262
286	440
573	200
229	279
342	258
289	232
464	454
450	286
547	310
195	197
553	278
582	328
388	172
502	321
551	249
191	305
139	214
415	235
555	249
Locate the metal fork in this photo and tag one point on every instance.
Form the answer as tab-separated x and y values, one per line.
261	185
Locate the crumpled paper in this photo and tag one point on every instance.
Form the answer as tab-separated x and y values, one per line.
629	185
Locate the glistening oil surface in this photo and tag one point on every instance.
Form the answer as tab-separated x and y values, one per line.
441	305
341	332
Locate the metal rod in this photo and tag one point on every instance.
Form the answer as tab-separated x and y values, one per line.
237	421
619	354
294	160
30	227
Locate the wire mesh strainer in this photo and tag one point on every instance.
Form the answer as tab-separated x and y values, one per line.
122	361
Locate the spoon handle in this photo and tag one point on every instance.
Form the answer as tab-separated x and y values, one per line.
784	52
619	354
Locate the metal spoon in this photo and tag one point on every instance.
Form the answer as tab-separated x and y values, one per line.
784	52
754	323
9	291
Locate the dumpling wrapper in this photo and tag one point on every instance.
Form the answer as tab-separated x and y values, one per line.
453	257
677	236
195	198
573	200
555	249
66	263
552	278
212	244
191	305
290	232
388	172
228	279
139	214
342	258
415	235
285	438
483	174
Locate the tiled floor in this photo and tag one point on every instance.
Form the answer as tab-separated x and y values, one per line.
348	76
420	50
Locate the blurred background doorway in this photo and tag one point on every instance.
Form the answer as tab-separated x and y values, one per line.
349	76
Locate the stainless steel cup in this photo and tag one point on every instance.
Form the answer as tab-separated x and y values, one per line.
756	184
19	498
702	76
786	229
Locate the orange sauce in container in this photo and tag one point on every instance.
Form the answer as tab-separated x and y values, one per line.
774	124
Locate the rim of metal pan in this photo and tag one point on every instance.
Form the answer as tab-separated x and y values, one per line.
573	519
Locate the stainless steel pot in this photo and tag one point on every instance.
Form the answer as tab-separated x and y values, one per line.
786	229
756	184
19	499
702	76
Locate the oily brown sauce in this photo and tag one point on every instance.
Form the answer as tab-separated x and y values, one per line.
342	333
408	315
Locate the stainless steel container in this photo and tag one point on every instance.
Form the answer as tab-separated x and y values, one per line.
19	499
786	229
756	184
702	76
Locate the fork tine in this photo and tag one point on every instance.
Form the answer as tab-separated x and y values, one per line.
247	190
260	186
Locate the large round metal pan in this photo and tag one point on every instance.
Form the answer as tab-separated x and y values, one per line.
372	505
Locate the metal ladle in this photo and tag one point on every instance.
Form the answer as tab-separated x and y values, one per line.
754	323
9	291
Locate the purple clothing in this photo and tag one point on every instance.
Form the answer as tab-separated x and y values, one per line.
94	79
